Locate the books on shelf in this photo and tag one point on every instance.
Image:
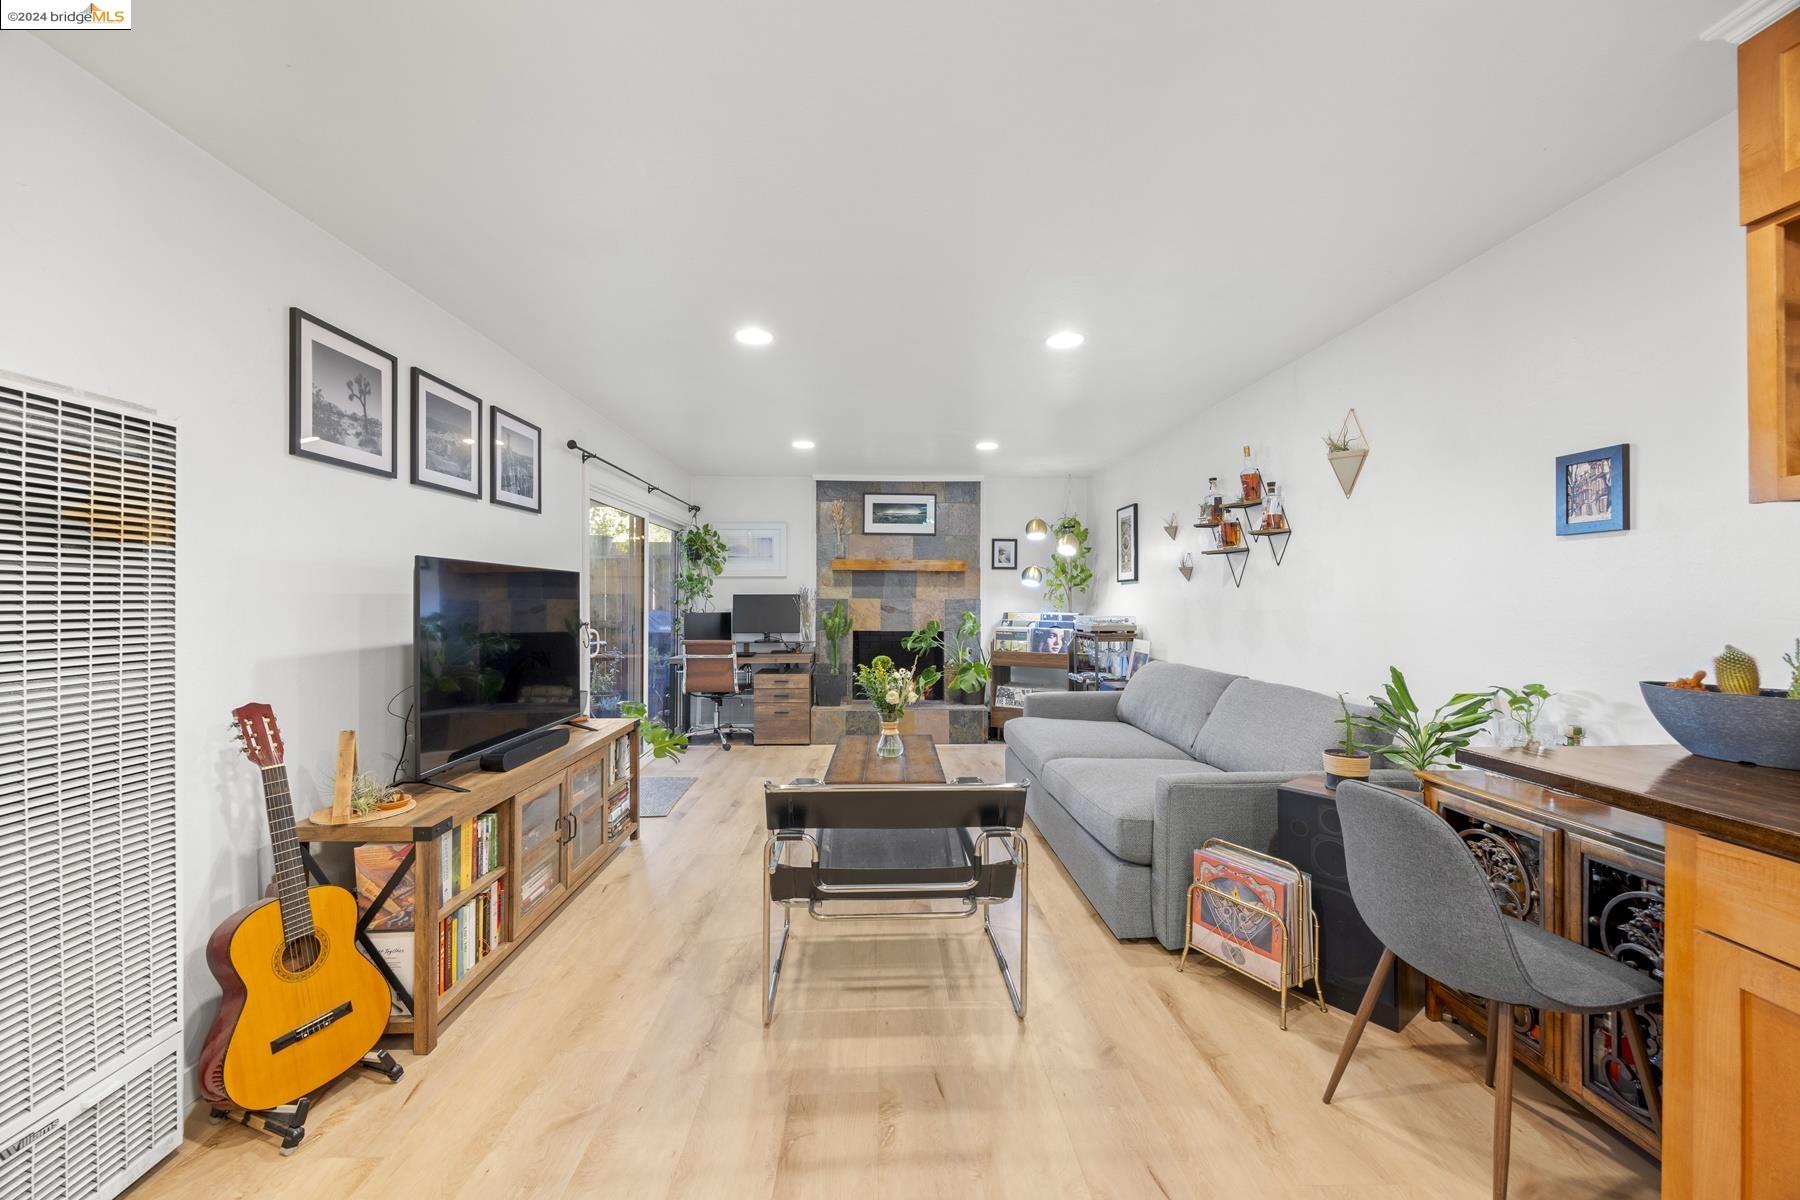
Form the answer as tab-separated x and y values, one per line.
470	933
376	863
466	853
619	763
1241	935
618	813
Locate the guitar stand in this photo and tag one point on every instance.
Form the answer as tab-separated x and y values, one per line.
288	1121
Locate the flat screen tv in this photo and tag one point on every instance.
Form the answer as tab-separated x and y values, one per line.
496	654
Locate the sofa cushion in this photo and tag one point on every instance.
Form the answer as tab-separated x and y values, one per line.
1258	726
1039	740
1171	701
1114	798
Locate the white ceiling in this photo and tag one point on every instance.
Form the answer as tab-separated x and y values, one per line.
912	196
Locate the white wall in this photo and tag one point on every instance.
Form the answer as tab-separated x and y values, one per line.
735	498
1007	502
1618	319
136	266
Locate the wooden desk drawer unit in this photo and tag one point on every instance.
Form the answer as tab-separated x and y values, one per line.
783	708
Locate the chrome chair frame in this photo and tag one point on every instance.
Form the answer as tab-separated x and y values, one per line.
1018	853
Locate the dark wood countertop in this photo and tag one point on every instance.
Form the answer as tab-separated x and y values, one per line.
1758	807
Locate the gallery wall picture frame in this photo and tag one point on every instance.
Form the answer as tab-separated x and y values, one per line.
515	461
1593	491
900	512
1125	544
754	549
343	397
446	436
1003	554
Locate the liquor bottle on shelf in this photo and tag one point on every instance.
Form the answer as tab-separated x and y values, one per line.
1212	507
1250	480
1231	534
1274	517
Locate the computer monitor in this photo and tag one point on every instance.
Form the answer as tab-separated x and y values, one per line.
706	626
766	616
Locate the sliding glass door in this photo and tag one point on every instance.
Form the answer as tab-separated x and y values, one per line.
616	600
662	556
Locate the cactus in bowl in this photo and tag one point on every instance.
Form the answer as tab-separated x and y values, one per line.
1736	673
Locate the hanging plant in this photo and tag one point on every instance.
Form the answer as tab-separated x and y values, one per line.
1068	574
702	558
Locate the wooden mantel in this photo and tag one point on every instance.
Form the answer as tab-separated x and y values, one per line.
944	566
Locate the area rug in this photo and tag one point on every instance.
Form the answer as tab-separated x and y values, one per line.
658	794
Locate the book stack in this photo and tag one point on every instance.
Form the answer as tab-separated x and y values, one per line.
466	853
618	813
470	934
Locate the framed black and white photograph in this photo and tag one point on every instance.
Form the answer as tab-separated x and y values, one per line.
899	513
1003	554
1593	491
1126	544
516	478
446	436
343	397
755	549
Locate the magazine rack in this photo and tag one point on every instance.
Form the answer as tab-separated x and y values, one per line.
1308	955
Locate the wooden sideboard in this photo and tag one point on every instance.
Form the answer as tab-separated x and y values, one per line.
555	829
1731	1031
1592	873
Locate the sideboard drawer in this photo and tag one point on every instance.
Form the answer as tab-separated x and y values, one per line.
1748	897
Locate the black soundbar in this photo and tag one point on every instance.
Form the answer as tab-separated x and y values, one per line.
521	752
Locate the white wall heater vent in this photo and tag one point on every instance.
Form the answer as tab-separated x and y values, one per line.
90	1014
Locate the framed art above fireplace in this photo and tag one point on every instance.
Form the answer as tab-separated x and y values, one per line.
900	512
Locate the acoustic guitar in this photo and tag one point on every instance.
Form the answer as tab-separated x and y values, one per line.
302	1003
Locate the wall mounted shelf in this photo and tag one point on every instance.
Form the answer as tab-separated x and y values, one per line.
943	566
1278	549
1236	559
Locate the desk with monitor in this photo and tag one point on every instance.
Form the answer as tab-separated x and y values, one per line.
774	653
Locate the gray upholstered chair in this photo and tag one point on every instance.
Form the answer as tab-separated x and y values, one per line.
1419	890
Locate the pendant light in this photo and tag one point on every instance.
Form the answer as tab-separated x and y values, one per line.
1032	576
1066	545
1036	530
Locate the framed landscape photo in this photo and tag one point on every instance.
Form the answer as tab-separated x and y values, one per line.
516	478
1003	554
1593	491
446	436
899	512
754	548
1126	545
343	396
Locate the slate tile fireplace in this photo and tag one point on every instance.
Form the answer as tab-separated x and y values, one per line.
868	644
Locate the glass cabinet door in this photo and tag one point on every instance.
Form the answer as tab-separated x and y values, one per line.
540	848
587	801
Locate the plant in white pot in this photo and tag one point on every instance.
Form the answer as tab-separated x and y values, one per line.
1346	760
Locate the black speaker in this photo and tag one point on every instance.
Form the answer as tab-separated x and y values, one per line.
521	752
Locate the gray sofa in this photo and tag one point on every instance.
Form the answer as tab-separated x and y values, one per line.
1126	785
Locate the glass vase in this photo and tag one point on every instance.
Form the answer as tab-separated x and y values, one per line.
889	744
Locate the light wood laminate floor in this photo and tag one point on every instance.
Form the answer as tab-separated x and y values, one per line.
627	1057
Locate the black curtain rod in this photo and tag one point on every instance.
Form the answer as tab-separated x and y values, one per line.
693	509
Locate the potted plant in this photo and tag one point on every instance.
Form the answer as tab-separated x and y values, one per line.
891	690
1425	743
927	637
1346	760
1525	705
702	558
663	742
831	686
1069	573
966	666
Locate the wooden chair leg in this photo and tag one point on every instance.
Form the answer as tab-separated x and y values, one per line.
1362	1018
1494	1037
1503	1082
1640	1061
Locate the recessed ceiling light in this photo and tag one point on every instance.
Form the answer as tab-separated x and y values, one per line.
985	447
802	444
1064	339
753	335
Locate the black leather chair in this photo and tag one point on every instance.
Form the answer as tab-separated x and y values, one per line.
831	845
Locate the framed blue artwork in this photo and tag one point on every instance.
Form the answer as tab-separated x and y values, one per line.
1593	491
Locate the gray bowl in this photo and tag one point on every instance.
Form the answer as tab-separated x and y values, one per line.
1763	730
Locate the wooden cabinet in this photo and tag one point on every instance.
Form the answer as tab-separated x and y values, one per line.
1733	1127
539	853
1769	206
783	708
